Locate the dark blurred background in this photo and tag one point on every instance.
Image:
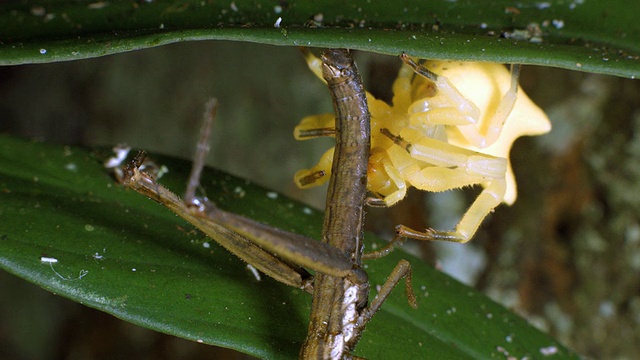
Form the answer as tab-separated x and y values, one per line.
566	255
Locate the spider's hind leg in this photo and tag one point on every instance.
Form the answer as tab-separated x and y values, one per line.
435	166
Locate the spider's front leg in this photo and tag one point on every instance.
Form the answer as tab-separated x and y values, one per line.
479	127
435	166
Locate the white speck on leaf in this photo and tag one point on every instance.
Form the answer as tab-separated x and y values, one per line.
254	271
121	151
98	5
51	261
559	24
71	167
38	11
48	260
543	5
549	350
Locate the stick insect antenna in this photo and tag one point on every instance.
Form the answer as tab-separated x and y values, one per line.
202	150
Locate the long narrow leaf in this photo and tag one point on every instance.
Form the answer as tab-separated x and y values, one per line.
124	254
595	36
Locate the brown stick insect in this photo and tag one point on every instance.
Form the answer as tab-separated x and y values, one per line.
341	285
339	310
253	242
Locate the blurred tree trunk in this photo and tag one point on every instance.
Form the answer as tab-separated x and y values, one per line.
567	254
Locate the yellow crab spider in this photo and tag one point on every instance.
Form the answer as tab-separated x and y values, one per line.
451	125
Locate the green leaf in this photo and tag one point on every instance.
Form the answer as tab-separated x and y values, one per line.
124	254
594	36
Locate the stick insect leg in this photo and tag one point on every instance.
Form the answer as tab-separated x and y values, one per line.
315	126
402	270
202	150
318	174
385	250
